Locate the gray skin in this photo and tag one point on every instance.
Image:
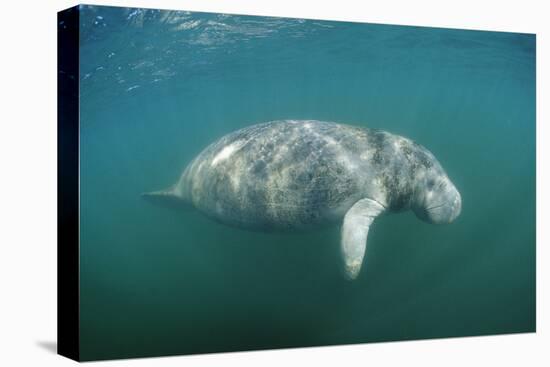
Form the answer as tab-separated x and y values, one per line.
299	175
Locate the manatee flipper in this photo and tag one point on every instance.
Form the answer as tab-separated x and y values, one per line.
354	234
166	198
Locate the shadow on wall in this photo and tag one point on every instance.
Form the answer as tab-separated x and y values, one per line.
50	346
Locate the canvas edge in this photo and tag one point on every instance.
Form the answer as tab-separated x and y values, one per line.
68	313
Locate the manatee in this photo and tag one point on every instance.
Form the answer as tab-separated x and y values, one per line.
291	175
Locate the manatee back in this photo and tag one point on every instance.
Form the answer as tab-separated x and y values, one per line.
277	175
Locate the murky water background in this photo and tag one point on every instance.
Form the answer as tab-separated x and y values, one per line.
159	86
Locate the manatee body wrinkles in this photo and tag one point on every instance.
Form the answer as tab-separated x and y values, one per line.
293	175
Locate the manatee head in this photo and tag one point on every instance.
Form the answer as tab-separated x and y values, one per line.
437	199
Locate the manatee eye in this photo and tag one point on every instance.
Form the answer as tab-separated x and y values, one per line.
430	183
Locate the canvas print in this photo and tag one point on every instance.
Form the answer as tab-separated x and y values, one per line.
233	182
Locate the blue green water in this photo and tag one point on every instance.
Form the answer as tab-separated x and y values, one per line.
159	86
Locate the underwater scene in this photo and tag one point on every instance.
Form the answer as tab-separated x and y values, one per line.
421	138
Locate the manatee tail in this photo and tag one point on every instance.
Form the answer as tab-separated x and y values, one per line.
166	198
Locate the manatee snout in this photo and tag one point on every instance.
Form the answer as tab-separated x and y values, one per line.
448	212
442	205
